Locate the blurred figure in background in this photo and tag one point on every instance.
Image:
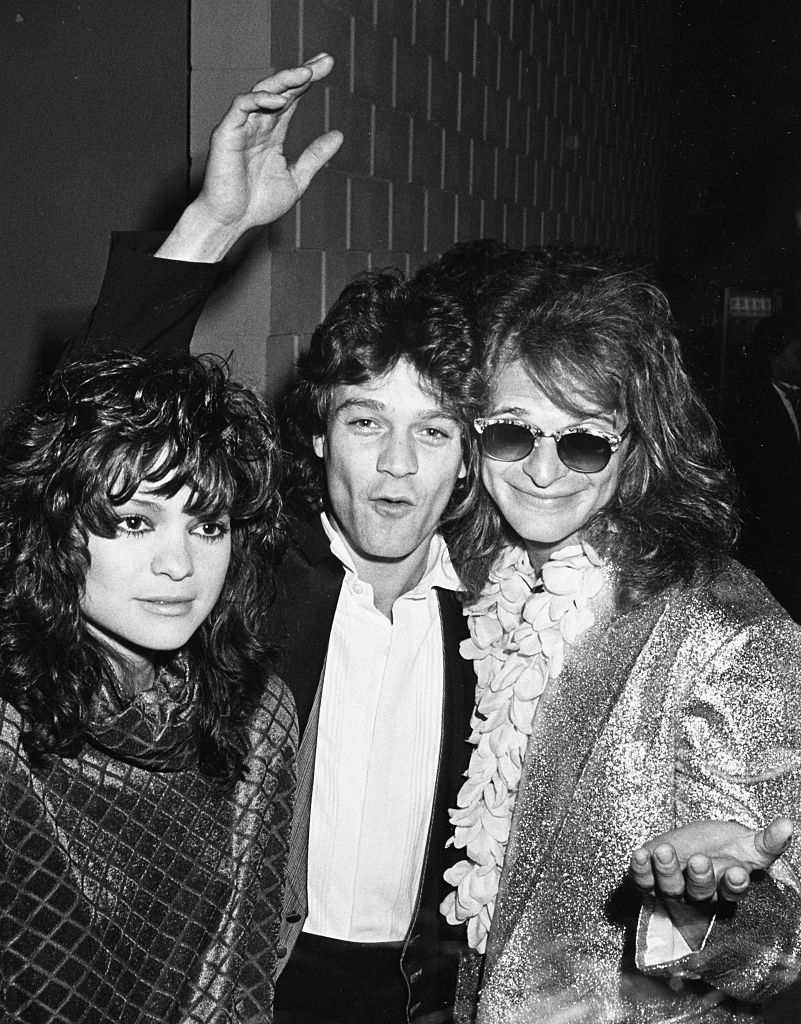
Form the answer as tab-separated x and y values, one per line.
763	444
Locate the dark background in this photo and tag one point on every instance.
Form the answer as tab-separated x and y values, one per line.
77	74
733	176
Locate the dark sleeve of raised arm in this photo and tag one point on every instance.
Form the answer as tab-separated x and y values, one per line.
146	304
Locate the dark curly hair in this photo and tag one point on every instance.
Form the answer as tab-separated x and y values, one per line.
377	321
591	333
81	447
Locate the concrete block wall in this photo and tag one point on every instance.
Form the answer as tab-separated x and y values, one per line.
532	121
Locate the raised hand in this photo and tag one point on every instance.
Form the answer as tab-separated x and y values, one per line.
248	181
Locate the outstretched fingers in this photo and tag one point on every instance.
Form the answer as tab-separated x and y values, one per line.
772	841
277	94
700	881
734	883
295	81
640	870
315	156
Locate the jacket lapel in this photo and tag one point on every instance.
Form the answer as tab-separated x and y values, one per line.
309	581
572	714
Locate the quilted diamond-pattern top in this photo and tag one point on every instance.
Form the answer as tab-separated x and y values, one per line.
138	894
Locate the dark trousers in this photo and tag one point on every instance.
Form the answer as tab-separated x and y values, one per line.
328	981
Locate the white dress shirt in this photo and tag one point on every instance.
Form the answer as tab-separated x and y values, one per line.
377	755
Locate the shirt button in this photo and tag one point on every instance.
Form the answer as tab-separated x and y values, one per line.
281	952
357	588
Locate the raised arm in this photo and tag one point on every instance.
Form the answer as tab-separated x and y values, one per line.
149	303
248	181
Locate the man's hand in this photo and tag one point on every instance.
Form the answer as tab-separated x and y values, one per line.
248	181
692	866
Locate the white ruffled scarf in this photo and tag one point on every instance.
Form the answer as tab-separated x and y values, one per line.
520	628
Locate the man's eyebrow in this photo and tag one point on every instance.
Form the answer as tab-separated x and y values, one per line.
438	414
509	410
516	412
373	405
359	403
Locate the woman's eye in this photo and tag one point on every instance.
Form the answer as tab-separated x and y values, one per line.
132	524
212	530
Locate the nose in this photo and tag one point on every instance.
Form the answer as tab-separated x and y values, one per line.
543	466
173	557
398	455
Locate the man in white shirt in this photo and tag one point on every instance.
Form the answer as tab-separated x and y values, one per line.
382	459
382	470
381	465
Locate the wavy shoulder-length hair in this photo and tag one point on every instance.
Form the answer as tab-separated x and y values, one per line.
594	336
378	321
67	459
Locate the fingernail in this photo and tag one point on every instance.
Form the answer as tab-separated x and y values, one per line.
663	855
318	56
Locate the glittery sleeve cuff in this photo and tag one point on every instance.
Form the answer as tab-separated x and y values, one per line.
662	942
750	953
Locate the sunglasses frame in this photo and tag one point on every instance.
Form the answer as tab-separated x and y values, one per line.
613	440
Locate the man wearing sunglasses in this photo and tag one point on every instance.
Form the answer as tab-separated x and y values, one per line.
368	616
583	449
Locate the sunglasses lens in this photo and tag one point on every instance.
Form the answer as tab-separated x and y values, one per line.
585	453
506	442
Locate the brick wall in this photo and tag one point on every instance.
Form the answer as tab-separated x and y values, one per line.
531	121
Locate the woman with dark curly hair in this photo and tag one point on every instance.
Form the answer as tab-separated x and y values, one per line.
146	750
633	682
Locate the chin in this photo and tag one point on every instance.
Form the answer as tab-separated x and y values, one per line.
543	537
171	640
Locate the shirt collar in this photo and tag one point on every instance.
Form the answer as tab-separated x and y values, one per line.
439	571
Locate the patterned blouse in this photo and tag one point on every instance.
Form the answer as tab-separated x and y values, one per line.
133	888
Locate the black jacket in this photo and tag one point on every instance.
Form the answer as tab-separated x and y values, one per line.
149	304
309	583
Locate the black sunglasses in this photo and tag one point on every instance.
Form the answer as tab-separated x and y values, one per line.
583	449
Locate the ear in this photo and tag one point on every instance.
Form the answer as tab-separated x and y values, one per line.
318	442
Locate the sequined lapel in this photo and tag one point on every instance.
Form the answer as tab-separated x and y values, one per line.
571	716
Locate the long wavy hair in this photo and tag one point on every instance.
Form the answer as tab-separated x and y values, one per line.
377	321
67	458
590	334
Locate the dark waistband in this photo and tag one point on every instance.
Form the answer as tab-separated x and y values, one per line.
324	944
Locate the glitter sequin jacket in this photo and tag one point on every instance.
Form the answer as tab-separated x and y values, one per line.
687	708
132	889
